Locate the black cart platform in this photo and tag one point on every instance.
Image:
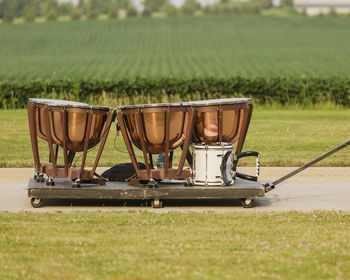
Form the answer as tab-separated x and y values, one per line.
242	189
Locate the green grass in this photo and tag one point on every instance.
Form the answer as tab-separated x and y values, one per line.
285	137
144	245
217	46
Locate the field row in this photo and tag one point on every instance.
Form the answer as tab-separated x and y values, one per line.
218	46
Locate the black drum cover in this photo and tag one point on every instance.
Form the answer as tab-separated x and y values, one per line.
122	172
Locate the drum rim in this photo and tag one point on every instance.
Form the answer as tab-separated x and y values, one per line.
52	101
153	105
68	104
218	145
86	107
221	101
199	103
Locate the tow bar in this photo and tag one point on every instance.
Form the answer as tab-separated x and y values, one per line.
271	186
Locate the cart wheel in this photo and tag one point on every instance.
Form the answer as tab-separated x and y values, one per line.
39	177
36	202
189	182
36	178
152	183
247	202
157	203
76	183
50	182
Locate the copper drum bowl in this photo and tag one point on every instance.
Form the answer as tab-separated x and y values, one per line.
220	120
70	118
147	124
37	105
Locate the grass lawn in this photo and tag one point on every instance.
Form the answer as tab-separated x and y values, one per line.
285	137
145	245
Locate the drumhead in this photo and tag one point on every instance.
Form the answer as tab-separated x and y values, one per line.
67	103
221	101
79	105
208	102
56	102
155	105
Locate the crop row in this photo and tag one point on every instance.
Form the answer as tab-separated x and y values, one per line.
220	46
278	90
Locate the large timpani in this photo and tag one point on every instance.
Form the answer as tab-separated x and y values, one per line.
161	128
39	104
222	121
157	129
78	131
147	124
73	126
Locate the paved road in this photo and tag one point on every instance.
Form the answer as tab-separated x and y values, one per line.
315	188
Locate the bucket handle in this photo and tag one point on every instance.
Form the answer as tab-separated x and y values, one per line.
246	176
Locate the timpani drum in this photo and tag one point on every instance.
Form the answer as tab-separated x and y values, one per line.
77	124
148	124
38	104
73	126
222	121
157	129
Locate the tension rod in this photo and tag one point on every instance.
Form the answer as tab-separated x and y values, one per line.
271	186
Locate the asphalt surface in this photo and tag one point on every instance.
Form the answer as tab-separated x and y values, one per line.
319	188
